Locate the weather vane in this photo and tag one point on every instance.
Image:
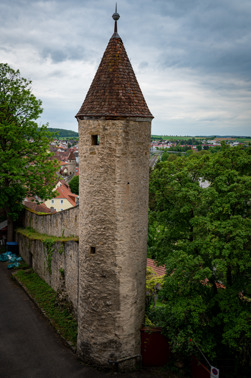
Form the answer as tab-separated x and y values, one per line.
115	16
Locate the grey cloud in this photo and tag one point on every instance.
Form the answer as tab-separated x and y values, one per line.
215	38
56	55
68	53
208	36
143	65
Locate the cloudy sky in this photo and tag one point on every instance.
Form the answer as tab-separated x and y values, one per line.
192	58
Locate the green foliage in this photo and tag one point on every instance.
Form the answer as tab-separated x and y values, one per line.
62	133
62	272
153	284
74	185
178	148
148	322
49	249
60	316
168	156
202	236
26	166
61	249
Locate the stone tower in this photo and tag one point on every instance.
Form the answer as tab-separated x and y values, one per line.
114	146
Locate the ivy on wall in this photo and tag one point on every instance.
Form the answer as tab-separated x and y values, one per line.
49	245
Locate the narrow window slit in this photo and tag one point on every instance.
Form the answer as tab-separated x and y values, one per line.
92	250
95	140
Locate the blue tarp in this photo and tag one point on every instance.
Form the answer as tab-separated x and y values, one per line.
14	265
12	258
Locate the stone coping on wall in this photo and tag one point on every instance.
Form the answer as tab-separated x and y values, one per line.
49	214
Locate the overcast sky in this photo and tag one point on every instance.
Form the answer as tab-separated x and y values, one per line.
192	58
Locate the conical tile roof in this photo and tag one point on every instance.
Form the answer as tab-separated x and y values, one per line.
114	91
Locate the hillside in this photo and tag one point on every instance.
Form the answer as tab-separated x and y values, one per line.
62	133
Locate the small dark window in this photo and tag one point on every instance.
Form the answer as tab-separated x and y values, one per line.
95	140
92	250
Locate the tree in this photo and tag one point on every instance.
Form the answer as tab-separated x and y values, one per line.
74	184
153	284
26	166
202	236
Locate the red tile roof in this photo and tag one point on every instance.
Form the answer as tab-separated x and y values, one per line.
63	182
114	91
64	192
218	284
40	208
71	156
159	270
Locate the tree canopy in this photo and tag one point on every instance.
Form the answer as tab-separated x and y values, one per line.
26	165
74	185
199	228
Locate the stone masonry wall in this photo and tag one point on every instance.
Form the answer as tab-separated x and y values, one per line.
113	237
63	223
60	270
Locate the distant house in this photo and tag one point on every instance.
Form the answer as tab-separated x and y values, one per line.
65	199
68	167
234	144
71	163
63	169
62	182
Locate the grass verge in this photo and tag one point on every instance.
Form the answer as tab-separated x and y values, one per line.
46	298
34	235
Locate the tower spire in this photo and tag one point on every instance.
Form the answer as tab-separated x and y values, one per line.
115	16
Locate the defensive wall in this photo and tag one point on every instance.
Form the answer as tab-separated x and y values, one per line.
63	223
49	243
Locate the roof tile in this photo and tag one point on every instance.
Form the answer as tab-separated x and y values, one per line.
64	192
159	270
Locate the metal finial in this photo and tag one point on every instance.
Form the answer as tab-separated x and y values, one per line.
115	16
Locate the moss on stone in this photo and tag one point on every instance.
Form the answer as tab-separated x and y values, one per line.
31	234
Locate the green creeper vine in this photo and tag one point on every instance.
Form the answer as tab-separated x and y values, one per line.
153	283
61	249
50	247
62	272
